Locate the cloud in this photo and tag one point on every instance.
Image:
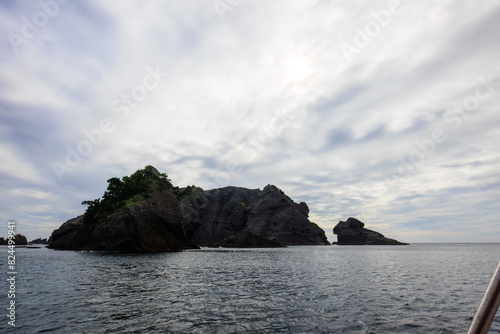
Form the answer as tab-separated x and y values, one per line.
24	192
17	166
264	95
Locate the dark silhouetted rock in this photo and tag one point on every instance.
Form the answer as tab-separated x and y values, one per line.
39	241
137	213
63	237
144	212
352	232
150	225
19	240
241	217
245	239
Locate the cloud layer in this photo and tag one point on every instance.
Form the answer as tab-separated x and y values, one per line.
384	110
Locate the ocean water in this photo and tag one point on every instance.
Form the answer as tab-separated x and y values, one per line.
421	288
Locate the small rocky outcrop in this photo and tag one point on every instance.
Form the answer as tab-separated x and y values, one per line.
19	240
241	217
353	232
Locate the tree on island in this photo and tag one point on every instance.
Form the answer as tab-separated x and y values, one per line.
124	192
137	213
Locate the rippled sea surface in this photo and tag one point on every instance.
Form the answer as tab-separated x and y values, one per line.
421	288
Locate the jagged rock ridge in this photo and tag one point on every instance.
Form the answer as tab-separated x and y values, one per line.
268	217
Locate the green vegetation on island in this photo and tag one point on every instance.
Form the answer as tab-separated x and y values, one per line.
137	213
125	192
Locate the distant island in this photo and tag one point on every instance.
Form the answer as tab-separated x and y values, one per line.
144	212
353	232
39	241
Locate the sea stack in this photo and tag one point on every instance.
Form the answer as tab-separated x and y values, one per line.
353	232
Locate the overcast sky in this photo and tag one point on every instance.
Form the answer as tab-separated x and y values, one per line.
382	110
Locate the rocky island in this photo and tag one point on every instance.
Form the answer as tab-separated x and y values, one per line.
144	212
353	232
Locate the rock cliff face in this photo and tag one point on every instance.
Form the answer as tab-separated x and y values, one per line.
62	237
151	225
352	232
241	217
